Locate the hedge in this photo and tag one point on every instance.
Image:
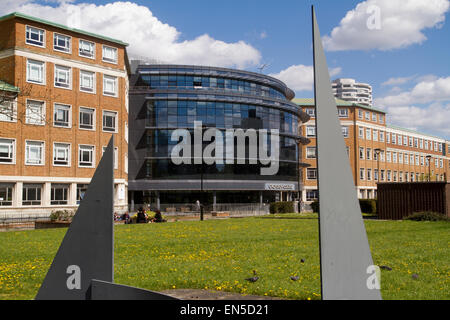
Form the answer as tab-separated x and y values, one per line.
282	207
367	206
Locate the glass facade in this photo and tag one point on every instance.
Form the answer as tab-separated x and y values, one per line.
165	98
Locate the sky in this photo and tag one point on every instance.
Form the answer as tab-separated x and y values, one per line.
400	47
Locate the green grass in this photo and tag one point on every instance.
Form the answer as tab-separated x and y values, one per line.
220	254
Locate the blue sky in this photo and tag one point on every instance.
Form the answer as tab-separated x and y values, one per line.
405	59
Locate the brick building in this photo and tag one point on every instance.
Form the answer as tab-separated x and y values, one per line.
63	93
377	151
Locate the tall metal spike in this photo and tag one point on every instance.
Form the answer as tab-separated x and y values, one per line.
344	248
87	250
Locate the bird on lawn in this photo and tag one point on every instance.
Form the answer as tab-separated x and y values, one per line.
294	278
254	278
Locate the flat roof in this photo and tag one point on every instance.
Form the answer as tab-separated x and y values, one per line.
5	86
339	103
57	25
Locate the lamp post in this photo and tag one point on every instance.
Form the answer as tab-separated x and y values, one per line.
429	167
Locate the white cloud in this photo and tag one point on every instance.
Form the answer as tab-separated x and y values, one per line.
146	34
301	77
397	81
401	24
432	93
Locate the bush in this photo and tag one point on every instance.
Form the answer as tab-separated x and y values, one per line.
427	216
62	215
368	206
315	206
282	207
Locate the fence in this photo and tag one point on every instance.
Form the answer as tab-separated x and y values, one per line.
188	209
398	200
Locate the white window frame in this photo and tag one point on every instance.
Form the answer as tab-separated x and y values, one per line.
43	72
43	114
92	150
116	121
27	27
308	149
361	132
69	49
67	151
69	120
313	128
344	130
94	82
11	145
107	59
381	136
362	174
93	118
368	134
93	49
68	71
116	82
311	170
360	114
42	151
343	113
375	135
9	110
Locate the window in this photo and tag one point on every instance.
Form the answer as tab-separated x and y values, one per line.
417	160
435	146
368	153
375	174
421	143
399	140
34	153
375	135
411	177
411	158
310	152
109	85
360	114
367	115
436	162
406	158
400	157
311	112
374	117
109	121
361	174
86	156
394	157
7	150
361	132
126	132
381	119
395	176
369	174
394	138
426	144
312	195
31	194
381	136
422	160
344	131
35	36
440	147
310	131
388	156
36	71
441	163
389	175
405	140
87	118
81	190
7	109
35	112
410	141
61	154
416	143
388	137
361	152
61	116
381	175
343	113
87	49
116	157
125	169
62	43
6	194
311	173
87	81
368	135
63	77
59	194
109	54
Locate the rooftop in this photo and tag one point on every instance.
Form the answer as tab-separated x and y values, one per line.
57	25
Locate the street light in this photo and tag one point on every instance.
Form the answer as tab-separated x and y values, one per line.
429	167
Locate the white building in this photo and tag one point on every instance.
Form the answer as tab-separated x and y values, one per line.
352	91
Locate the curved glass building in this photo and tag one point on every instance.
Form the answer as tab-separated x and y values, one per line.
164	98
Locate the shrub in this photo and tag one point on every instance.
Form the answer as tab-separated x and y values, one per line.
315	206
368	206
62	215
427	216
282	207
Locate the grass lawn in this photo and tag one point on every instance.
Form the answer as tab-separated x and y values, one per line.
220	254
